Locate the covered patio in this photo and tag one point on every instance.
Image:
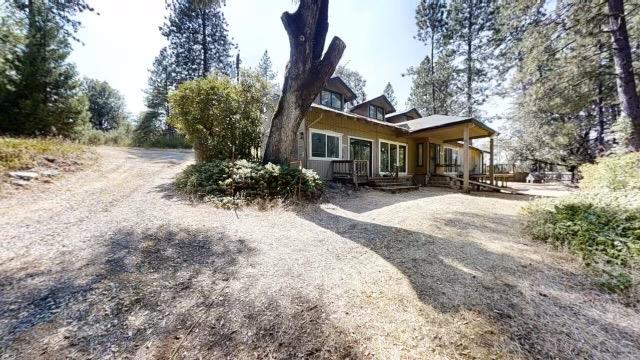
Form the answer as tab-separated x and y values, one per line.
439	131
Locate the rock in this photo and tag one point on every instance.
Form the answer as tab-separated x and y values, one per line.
50	159
20	183
50	173
24	175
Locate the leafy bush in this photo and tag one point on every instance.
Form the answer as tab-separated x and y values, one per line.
601	222
20	154
121	136
220	117
224	180
618	172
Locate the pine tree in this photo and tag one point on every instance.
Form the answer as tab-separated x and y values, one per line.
389	93
446	82
265	67
198	39
161	81
432	26
470	30
45	96
355	80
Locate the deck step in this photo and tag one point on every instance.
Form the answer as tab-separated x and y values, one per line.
397	189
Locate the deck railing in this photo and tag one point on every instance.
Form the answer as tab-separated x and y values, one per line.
352	170
449	168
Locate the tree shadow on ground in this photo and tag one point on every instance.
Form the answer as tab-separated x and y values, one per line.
155	292
369	199
452	275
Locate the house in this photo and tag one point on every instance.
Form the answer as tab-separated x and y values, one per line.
372	140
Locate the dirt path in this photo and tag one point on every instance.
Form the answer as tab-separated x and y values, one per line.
109	263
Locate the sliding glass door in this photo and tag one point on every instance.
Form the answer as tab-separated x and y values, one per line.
393	156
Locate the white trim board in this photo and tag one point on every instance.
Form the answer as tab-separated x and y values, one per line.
325	132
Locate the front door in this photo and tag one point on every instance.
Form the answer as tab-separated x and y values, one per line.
361	150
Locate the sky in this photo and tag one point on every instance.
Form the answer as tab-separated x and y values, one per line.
121	41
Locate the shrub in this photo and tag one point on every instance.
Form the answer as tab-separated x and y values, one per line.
221	118
601	222
224	180
122	136
618	172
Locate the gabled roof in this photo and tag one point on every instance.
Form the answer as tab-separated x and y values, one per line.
411	112
338	85
437	121
381	101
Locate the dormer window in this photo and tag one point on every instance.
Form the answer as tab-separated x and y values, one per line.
331	99
376	112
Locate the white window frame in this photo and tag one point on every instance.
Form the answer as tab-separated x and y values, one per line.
380	141
328	133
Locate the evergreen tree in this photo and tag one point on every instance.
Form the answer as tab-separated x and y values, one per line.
198	39
161	81
265	67
563	81
440	93
355	80
389	93
471	26
44	96
432	26
106	105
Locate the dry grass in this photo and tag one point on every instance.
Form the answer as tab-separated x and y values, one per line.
26	153
39	154
431	274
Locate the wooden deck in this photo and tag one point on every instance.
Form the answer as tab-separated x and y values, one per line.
353	171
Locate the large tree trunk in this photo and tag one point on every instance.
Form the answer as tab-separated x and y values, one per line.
305	75
626	84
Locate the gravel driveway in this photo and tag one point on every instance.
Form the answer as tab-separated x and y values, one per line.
110	263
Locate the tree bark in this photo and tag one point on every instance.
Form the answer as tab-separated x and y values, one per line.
206	67
433	72
305	75
470	61
625	80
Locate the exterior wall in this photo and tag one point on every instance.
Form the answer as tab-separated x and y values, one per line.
475	157
350	127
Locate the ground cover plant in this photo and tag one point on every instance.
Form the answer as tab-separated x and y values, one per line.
226	181
601	222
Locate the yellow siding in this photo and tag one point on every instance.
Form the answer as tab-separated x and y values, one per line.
350	127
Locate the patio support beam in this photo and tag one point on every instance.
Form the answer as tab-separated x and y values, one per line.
491	171
466	159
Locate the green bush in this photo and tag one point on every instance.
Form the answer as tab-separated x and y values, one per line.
241	179
222	118
618	172
122	136
602	227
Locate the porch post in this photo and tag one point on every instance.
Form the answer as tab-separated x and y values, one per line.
491	171
465	159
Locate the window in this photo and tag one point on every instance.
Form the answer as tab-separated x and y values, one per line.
402	158
331	99
376	112
384	157
392	156
420	155
325	145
